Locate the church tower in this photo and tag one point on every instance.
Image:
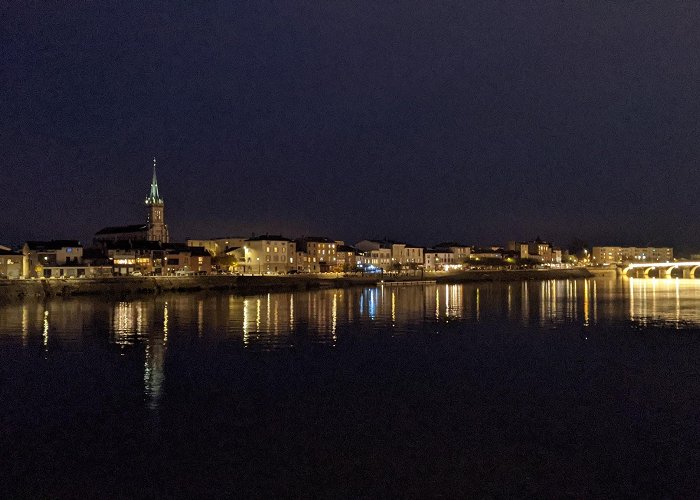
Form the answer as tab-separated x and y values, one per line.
157	229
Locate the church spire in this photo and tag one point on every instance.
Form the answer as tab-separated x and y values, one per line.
154	197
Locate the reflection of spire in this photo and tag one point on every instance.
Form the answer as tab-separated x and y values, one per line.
45	332
154	196
153	373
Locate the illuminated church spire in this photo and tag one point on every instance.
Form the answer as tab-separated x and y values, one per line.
157	229
154	197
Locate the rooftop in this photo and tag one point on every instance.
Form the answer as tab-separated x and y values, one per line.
346	248
134	245
316	239
53	244
268	237
133	228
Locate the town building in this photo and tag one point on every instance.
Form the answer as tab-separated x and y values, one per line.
155	228
486	254
218	246
537	250
317	254
375	259
10	263
460	251
97	263
186	260
442	259
53	259
347	257
623	255
266	254
402	255
136	258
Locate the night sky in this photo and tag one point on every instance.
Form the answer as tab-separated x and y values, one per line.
480	121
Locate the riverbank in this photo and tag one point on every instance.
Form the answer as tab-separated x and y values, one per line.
17	290
513	275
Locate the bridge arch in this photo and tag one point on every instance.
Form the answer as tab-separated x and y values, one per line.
652	269
680	272
693	270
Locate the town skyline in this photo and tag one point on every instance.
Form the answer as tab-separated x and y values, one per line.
87	237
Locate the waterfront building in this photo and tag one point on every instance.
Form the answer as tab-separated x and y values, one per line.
269	254
318	254
347	257
155	228
521	248
402	254
460	251
218	246
10	263
129	258
623	255
442	259
490	253
185	259
55	258
537	250
97	263
377	258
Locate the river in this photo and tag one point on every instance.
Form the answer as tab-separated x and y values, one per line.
584	387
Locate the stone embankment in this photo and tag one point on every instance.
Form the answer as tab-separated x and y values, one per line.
513	275
14	290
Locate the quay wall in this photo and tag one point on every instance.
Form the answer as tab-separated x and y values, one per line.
513	275
119	287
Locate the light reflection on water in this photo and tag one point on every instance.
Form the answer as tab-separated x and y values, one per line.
285	320
274	320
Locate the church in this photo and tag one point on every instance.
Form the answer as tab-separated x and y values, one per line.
154	229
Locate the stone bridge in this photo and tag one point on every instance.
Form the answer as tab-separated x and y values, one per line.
662	270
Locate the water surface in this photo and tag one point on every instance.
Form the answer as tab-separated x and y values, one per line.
574	387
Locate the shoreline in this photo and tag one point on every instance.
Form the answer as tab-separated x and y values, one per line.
20	290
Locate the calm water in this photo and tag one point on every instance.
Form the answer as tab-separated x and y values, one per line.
573	387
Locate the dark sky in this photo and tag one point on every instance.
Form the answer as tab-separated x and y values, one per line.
480	121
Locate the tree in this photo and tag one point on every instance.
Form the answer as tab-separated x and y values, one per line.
226	263
579	248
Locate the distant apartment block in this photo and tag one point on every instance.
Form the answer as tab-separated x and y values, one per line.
619	255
